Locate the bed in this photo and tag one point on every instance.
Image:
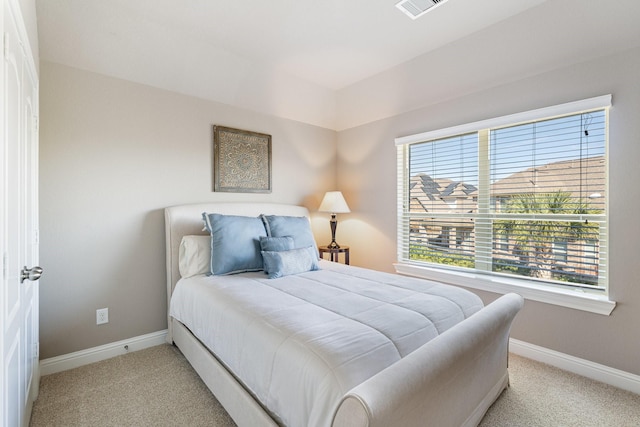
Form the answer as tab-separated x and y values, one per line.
267	373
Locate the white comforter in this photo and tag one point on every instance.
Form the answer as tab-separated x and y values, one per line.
299	343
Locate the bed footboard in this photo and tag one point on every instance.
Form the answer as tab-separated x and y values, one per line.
450	381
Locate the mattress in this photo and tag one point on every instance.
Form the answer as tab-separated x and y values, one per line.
299	343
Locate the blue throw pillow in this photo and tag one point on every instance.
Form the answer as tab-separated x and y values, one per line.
276	244
235	243
298	227
295	261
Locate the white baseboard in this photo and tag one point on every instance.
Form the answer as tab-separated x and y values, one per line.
96	354
615	377
595	371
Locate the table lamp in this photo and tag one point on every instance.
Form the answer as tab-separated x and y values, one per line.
334	203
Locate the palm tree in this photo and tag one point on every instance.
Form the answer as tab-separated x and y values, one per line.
533	240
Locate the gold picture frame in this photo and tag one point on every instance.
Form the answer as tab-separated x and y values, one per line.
241	161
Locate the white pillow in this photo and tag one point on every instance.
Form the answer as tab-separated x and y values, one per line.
194	256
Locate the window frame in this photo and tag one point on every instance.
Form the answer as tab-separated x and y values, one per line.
567	296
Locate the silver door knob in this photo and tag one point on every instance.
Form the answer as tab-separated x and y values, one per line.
30	273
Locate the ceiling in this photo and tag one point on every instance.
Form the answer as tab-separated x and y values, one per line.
315	46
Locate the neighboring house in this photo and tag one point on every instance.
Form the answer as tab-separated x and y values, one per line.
444	196
567	176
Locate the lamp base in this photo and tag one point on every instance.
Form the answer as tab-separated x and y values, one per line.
333	245
334	224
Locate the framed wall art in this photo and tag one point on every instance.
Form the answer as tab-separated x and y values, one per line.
241	161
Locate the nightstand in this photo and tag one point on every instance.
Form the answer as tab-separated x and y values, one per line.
334	253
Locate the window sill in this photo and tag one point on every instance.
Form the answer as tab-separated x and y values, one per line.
571	298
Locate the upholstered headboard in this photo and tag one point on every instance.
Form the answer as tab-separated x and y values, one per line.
185	220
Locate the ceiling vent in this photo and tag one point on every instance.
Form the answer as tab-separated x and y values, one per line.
416	8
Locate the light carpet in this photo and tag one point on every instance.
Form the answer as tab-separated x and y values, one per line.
158	387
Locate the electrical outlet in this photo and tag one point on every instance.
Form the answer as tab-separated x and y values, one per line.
102	316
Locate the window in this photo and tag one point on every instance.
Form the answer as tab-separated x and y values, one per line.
521	197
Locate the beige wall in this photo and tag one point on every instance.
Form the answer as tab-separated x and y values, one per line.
367	171
113	154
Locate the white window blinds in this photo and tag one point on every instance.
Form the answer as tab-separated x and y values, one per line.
526	200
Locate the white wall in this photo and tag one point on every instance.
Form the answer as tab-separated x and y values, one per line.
113	154
367	176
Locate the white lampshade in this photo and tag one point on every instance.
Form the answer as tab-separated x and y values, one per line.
334	202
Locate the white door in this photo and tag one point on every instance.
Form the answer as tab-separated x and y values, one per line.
19	293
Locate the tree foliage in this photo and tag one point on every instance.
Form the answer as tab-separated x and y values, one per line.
532	240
